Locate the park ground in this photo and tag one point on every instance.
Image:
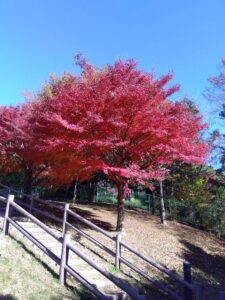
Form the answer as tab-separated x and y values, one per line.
23	275
168	245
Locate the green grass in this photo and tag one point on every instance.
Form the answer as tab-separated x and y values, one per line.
24	276
114	270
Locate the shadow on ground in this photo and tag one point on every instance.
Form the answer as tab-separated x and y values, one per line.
58	212
81	292
7	297
209	269
148	290
31	253
92	218
136	212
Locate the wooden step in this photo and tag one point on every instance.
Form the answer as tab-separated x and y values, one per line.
101	283
88	272
78	264
27	224
94	277
46	237
32	227
50	242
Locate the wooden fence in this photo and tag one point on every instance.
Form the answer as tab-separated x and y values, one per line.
66	246
190	291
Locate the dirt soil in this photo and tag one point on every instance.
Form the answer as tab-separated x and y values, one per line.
168	245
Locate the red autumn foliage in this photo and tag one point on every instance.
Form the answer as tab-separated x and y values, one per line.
17	144
117	120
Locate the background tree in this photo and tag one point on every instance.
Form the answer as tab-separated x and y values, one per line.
181	175
216	92
17	144
216	95
162	205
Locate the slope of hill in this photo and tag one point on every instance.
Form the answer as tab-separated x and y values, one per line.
168	245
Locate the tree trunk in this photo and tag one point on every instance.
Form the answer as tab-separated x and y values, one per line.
91	190
120	208
153	203
28	181
162	206
75	191
172	190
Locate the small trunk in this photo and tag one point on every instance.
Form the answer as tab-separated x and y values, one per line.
75	191
153	203
91	190
172	191
162	206
189	211
120	208
28	182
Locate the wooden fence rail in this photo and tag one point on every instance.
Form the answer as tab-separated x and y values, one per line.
117	252
116	280
190	291
33	200
88	223
222	295
65	247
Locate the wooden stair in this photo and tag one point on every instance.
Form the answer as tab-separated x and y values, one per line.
79	265
86	271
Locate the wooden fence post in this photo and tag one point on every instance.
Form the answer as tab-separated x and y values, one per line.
7	214
65	218
64	259
188	295
199	292
118	251
222	295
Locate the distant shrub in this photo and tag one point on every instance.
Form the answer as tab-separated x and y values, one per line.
214	215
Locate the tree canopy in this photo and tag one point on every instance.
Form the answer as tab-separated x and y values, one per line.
17	144
117	120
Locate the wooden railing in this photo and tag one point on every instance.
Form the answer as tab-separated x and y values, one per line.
9	220
32	202
65	246
190	290
68	212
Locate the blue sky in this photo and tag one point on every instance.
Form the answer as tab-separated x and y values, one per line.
40	37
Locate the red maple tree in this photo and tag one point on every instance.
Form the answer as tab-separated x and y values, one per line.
17	144
117	120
